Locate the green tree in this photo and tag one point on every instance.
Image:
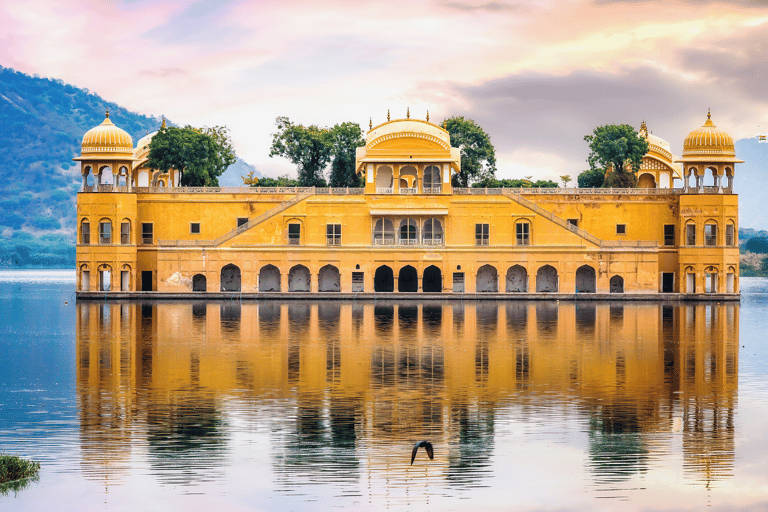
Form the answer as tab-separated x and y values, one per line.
565	179
478	158
309	148
591	178
619	149
281	181
346	138
200	155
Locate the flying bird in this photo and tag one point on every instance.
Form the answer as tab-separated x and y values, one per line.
426	445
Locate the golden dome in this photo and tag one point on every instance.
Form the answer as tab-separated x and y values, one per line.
107	140
708	141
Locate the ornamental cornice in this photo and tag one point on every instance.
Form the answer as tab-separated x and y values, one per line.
412	135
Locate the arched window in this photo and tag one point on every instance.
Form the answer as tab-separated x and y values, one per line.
383	232
690	234
384	179
105	231
409	232
432	281
125	232
125	278
85	232
384	279
408	180
730	233
432	180
710	233
433	232
523	232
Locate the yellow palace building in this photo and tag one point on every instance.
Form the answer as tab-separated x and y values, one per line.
408	230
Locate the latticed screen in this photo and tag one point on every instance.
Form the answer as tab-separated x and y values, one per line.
147	235
669	234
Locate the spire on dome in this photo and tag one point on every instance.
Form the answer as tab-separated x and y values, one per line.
107	114
163	125
387	114
408	113
427	115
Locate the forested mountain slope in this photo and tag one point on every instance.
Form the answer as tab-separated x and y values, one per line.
42	122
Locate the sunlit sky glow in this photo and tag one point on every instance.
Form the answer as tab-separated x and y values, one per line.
538	76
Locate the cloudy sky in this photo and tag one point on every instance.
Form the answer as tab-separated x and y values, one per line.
538	75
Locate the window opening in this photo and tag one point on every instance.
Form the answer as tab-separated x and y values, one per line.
294	234
194	228
147	236
690	234
333	234
669	234
125	233
710	234
105	232
523	233
621	229
482	232
85	233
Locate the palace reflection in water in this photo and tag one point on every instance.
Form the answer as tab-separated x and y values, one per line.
343	389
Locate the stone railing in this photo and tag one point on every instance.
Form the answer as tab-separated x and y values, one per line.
574	191
630	243
433	190
249	190
383	190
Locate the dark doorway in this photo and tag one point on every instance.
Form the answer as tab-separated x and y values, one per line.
667	282
384	280
230	278
198	283
432	282
146	280
408	280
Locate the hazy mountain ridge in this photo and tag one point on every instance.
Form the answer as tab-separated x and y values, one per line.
42	126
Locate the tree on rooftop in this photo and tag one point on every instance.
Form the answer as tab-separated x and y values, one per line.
200	155
619	149
591	178
478	158
346	138
310	148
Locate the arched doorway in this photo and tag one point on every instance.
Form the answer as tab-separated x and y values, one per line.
407	280
586	279
230	278
299	279
329	279
487	279
432	282
517	279
646	180
617	284
546	279
199	283
384	279
269	279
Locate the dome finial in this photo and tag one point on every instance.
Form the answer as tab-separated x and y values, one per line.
163	125
643	129
709	114
370	123
107	114
408	113
387	114
427	115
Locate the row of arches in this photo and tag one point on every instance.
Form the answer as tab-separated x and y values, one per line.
408	280
101	175
408	179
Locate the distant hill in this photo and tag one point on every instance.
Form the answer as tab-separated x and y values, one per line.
42	122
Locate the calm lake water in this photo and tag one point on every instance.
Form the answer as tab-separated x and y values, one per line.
316	405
